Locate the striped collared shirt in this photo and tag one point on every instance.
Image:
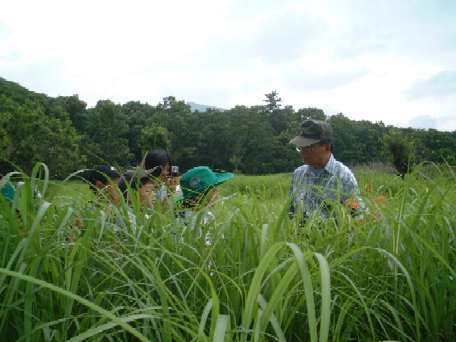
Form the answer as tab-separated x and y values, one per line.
313	189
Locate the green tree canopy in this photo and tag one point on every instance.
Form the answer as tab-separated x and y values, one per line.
107	129
154	137
272	101
401	150
67	135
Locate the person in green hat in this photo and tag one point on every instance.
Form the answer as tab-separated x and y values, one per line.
199	191
199	186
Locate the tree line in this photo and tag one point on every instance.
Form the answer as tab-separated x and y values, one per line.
67	135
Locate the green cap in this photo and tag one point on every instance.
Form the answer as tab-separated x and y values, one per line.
199	179
312	132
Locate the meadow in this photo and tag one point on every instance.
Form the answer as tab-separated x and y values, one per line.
74	270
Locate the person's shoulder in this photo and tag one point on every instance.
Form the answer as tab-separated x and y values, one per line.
343	171
342	167
301	169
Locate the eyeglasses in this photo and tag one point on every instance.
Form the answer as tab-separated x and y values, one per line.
307	148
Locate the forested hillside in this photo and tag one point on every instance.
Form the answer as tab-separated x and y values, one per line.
67	135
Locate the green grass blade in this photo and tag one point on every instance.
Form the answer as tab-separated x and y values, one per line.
308	290
221	329
77	298
325	315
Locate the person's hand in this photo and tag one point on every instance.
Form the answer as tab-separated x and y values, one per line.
172	183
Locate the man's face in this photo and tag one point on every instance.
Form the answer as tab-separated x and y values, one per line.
313	154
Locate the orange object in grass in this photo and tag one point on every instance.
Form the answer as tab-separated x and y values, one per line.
352	202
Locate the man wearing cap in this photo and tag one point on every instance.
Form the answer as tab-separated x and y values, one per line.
322	179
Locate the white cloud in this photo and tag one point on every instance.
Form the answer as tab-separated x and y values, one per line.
423	121
355	57
440	84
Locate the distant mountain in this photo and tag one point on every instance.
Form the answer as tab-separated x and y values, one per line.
202	108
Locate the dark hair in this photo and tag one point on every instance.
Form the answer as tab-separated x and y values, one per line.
6	167
156	158
100	173
133	179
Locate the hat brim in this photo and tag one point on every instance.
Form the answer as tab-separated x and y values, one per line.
113	174
223	176
108	171
303	142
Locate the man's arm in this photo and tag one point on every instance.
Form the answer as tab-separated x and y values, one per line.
352	197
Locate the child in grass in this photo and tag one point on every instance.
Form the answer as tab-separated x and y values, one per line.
151	180
103	181
199	190
199	187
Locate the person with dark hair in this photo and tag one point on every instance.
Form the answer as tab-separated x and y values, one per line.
322	179
151	179
103	181
158	164
138	182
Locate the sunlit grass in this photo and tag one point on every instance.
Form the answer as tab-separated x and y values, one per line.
74	271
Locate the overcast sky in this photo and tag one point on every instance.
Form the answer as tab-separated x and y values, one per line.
393	61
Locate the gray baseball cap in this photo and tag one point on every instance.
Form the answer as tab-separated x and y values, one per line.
312	132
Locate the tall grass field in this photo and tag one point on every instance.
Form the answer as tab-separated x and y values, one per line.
74	270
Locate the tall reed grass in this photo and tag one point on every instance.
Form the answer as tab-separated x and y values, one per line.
75	271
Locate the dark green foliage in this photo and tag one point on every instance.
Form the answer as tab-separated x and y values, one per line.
107	128
272	101
36	128
358	142
5	140
76	110
401	150
154	137
68	136
139	116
